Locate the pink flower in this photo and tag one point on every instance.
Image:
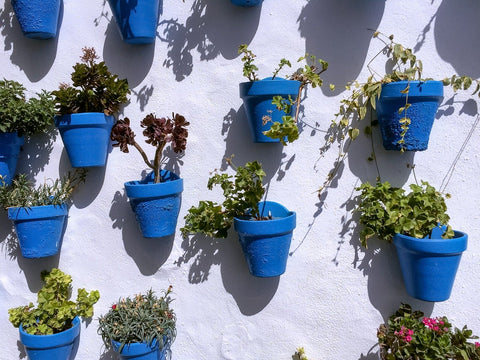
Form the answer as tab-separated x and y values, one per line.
477	344
408	338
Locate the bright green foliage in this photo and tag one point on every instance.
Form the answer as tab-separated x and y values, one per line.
242	194
54	312
306	75
94	88
22	193
411	336
143	318
299	354
27	117
386	211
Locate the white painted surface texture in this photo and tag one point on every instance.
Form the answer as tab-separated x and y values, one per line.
334	294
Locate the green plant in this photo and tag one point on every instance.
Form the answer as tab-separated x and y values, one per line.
144	318
94	88
27	117
54	312
306	75
159	132
386	210
362	97
299	354
22	193
242	194
409	335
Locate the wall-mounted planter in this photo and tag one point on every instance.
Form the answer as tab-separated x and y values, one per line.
10	144
257	99
136	20
140	351
247	3
39	229
86	137
424	97
51	347
38	18
156	206
429	265
266	243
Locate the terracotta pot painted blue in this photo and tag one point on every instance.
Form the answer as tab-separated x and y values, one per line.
429	265
10	144
137	20
247	3
38	18
52	347
140	351
86	137
39	229
424	97
257	99
156	206
266	243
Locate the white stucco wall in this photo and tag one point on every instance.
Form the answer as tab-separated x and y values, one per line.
334	294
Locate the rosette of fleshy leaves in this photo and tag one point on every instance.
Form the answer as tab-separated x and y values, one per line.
159	132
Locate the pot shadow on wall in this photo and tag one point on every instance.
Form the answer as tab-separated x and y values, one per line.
251	294
33	57
86	193
318	20
215	27
149	254
456	35
35	153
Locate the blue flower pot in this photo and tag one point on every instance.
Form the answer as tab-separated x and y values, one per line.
10	144
137	20
39	229
424	97
140	351
429	265
266	243
247	3
38	18
156	206
257	99
51	347
86	137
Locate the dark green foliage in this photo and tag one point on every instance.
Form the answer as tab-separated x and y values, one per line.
54	312
386	210
159	132
144	318
306	75
411	336
94	88
27	117
242	194
22	193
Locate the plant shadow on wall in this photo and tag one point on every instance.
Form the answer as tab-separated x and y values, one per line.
218	245
215	27
128	61
320	17
33	57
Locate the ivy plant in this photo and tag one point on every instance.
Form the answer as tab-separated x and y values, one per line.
386	210
306	75
55	311
22	192
409	335
26	117
142	318
94	89
159	132
242	191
